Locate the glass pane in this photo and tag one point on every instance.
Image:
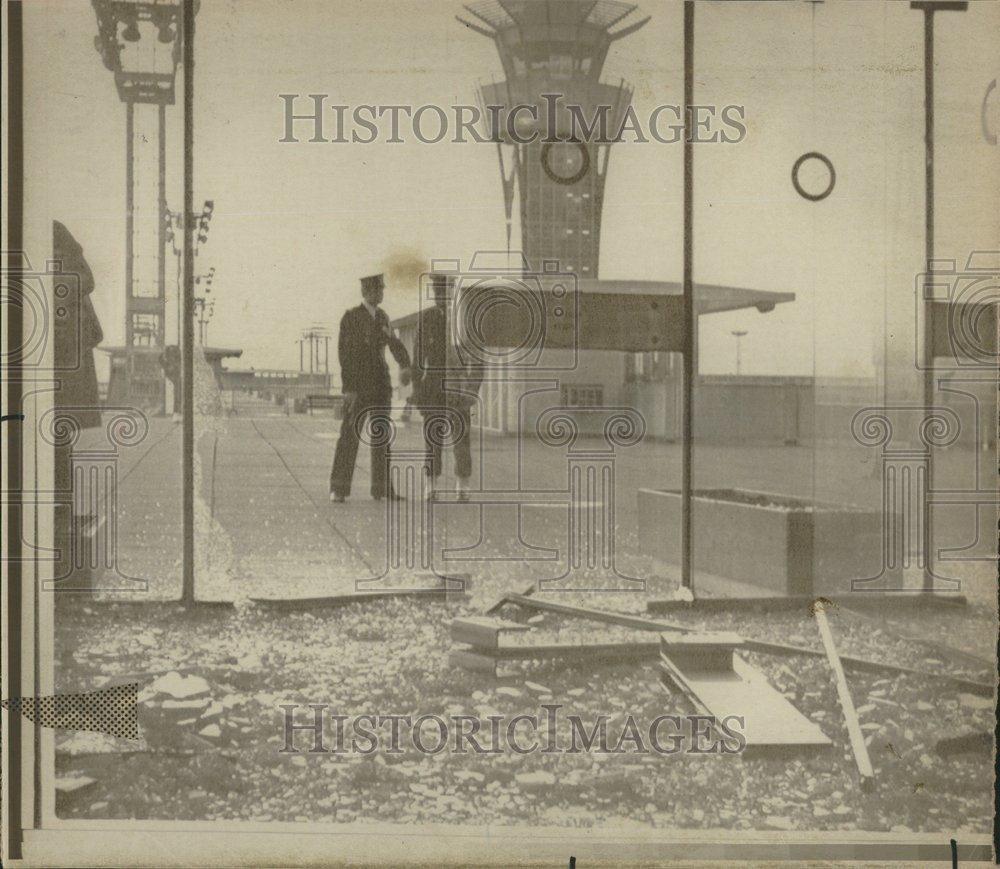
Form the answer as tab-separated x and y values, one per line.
409	370
755	271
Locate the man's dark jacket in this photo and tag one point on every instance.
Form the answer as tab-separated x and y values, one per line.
361	349
76	332
440	376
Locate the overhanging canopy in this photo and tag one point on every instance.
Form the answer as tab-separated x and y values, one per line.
554	313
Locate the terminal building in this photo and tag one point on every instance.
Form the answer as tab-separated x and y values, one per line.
557	190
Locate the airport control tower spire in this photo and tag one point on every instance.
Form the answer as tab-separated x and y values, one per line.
552	47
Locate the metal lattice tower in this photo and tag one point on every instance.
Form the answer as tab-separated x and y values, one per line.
140	42
555	47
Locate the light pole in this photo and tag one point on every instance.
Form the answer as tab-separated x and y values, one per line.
690	317
205	305
202	304
187	342
139	41
738	334
315	335
173	225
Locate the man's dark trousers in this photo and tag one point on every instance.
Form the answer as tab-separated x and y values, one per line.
373	410
453	420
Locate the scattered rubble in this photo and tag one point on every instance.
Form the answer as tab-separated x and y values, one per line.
235	670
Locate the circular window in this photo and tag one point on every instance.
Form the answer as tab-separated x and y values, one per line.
565	162
813	173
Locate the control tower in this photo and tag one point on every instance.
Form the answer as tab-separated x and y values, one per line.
550	47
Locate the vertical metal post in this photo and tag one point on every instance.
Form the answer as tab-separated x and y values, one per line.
129	232
11	827
928	537
187	351
929	7
161	259
690	320
738	334
161	250
178	255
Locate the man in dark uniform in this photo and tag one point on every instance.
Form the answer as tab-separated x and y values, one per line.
445	387
76	332
364	334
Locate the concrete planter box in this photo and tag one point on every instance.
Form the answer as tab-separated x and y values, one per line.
782	544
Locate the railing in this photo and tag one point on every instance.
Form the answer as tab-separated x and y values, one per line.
270	398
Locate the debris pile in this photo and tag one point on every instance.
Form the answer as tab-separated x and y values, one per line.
179	712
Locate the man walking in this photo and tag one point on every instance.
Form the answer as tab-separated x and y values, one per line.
364	334
445	387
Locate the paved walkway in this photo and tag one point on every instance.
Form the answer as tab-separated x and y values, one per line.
266	526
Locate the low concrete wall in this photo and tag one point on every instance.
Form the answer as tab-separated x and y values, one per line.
727	409
784	545
792	410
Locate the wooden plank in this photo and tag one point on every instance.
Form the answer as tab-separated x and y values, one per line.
982	689
579	651
721	684
858	746
596	652
337	600
472	661
854	601
945	649
130	599
482	632
604	616
703	652
500	603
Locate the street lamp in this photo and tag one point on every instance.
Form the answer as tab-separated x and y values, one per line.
206	279
316	335
173	228
173	222
738	334
138	41
204	305
203	222
204	310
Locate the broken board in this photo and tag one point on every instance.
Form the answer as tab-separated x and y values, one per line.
982	689
858	747
309	602
481	631
852	601
705	668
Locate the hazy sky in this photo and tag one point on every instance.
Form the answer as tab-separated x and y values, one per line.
296	224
